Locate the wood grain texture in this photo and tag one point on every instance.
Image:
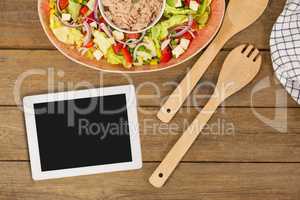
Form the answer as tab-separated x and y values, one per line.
204	174
191	181
232	135
152	90
20	27
237	72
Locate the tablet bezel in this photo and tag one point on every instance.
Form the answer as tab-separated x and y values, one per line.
32	140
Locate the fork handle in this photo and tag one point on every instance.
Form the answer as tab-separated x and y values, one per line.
168	165
179	95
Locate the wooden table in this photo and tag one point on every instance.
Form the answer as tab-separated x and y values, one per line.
260	159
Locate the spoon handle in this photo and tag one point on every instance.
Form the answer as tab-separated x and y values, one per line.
167	166
179	95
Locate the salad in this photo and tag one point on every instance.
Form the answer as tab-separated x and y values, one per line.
78	23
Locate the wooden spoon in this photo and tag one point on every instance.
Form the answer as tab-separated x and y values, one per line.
239	68
239	15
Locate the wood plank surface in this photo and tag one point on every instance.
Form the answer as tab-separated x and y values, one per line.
190	181
20	27
250	149
232	135
48	71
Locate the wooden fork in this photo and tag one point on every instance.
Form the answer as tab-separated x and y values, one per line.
239	68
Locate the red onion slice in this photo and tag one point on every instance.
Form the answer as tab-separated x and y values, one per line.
132	41
165	43
104	28
88	34
58	6
96	10
83	50
136	49
191	33
183	27
183	31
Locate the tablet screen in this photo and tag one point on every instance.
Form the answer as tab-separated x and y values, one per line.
83	132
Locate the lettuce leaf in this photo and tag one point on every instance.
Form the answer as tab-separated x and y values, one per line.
74	9
54	21
102	41
160	31
68	35
113	58
171	11
204	5
171	2
203	13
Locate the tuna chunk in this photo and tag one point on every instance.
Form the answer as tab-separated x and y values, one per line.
133	15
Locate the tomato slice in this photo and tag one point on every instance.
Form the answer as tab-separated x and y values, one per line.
194	25
90	44
187	3
84	10
166	55
187	36
127	55
102	20
133	35
63	4
90	18
117	47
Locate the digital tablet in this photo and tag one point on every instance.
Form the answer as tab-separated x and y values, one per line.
82	132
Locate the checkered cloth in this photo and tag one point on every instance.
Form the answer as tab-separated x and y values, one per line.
285	48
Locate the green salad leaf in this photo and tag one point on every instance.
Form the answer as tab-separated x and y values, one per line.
171	11
68	35
160	31
203	7
74	9
171	2
203	13
102	41
54	21
113	58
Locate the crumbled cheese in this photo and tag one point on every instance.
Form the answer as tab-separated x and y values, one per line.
118	35
178	51
66	17
94	25
178	3
98	54
194	5
112	40
184	43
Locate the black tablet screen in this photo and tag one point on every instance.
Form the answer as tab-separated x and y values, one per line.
83	132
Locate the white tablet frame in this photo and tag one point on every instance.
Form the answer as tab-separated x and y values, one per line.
28	104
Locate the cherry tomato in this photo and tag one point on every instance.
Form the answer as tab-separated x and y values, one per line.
187	3
102	20
90	44
166	55
133	35
127	55
84	10
187	36
90	18
194	25
63	4
117	47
